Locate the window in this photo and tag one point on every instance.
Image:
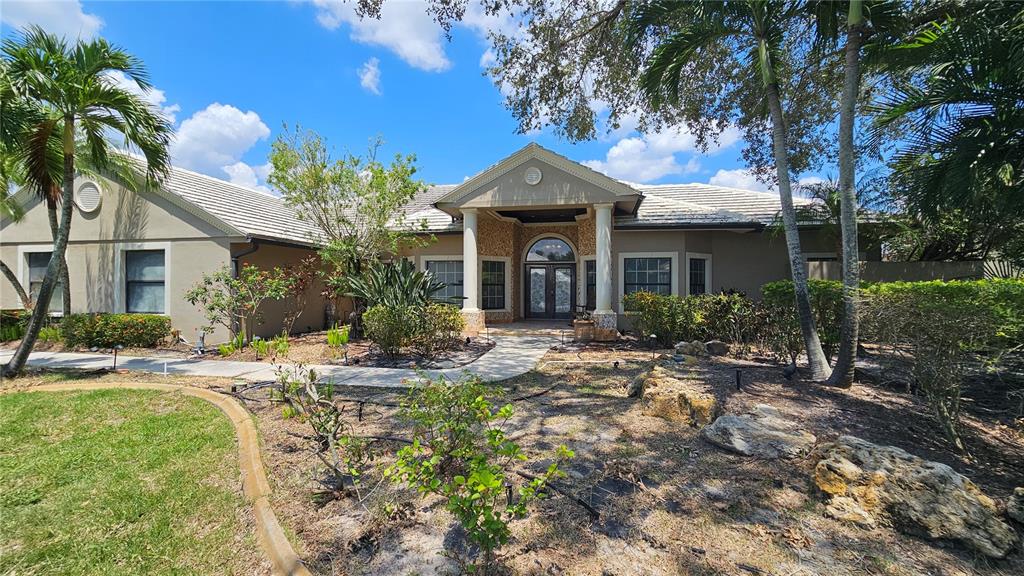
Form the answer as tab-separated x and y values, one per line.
493	284
37	263
550	250
590	272
648	274
698	276
144	281
448	272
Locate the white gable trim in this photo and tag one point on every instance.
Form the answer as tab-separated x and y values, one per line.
534	151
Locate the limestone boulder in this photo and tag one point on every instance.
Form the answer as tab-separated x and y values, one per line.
717	348
665	395
1015	505
763	433
918	496
695	348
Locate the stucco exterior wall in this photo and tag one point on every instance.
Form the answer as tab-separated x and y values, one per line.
95	255
268	256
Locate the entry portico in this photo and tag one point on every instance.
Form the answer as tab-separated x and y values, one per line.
553	217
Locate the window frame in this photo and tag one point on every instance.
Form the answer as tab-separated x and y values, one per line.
707	271
129	282
585	285
425	259
24	274
506	284
673	273
120	281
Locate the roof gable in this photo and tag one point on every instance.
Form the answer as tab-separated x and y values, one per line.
486	186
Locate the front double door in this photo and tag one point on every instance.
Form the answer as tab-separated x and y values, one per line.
550	290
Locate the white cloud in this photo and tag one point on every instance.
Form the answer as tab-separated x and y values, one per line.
405	28
214	139
652	156
369	76
62	18
249	176
154	96
738	178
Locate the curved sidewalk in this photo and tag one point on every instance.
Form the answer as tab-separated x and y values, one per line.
510	357
254	477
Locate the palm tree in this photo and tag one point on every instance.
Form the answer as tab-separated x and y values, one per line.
70	86
759	28
961	118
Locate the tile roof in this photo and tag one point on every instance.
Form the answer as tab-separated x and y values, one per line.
261	215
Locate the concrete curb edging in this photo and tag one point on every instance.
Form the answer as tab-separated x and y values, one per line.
255	486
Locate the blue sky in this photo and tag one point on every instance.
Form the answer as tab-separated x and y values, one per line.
230	74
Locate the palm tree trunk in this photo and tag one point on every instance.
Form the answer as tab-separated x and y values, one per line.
846	360
35	322
816	360
65	282
26	301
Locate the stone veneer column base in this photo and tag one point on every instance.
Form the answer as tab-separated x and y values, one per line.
606	326
474	322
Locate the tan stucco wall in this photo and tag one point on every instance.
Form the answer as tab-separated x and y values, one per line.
124	221
268	256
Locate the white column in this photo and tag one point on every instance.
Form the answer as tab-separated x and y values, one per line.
604	258
470	274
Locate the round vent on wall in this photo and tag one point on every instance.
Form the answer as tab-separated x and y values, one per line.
532	176
88	196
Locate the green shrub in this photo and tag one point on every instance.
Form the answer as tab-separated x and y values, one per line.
280	346
12	324
226	350
50	334
669	318
461	452
826	298
261	347
107	330
391	327
725	316
1001	299
438	329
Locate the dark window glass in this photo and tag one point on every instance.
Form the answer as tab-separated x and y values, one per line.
493	284
144	281
550	250
37	263
698	276
649	275
591	284
449	273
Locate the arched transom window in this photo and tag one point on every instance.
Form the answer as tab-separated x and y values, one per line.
550	250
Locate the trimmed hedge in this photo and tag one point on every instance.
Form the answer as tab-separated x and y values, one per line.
826	303
108	330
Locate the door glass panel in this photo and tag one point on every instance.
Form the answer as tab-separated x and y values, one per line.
538	279
563	290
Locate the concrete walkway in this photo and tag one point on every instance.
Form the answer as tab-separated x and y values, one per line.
511	356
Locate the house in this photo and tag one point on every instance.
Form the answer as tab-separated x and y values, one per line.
534	236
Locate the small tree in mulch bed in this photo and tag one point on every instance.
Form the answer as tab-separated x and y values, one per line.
461	453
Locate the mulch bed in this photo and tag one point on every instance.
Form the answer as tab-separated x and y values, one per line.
668	502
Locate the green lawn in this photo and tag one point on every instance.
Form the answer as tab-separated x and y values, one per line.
119	482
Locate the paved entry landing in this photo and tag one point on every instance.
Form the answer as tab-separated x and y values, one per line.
551	328
510	357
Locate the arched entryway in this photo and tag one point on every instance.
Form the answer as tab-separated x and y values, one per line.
549	279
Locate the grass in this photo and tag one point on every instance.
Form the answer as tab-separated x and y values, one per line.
119	482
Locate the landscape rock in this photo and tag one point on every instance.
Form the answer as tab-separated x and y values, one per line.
717	348
665	396
763	433
695	348
918	496
1015	505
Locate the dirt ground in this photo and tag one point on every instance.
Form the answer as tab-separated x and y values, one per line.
310	348
668	502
